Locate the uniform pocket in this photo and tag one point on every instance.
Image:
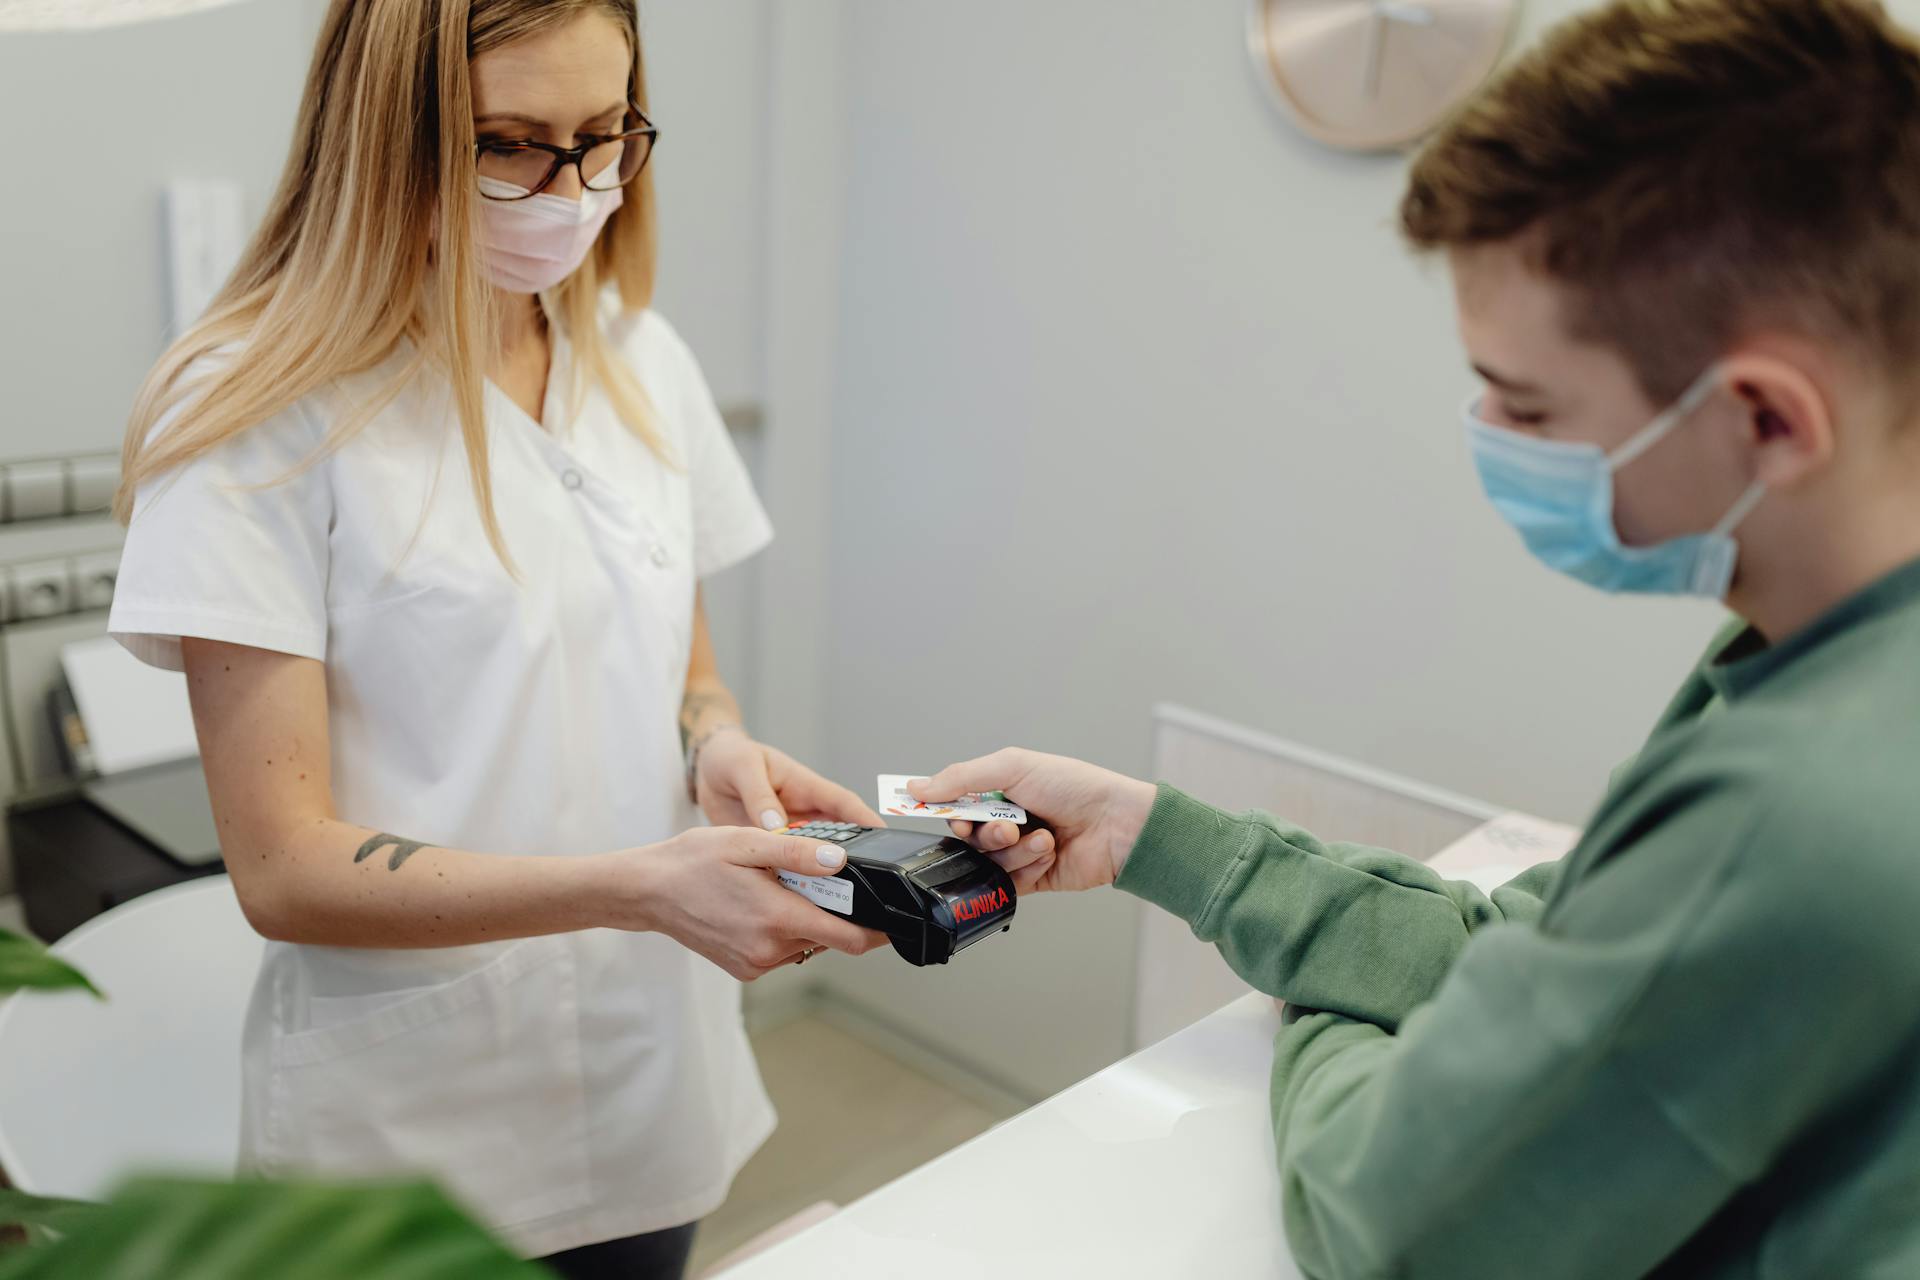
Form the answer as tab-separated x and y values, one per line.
475	1082
324	1013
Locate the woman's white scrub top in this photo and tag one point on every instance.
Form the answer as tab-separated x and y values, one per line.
569	1089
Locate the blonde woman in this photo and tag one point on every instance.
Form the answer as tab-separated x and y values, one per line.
420	507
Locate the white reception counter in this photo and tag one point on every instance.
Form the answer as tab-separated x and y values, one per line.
1160	1165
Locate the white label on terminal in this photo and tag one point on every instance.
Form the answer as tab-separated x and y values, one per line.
830	892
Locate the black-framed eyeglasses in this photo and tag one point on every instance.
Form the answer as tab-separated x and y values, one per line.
605	161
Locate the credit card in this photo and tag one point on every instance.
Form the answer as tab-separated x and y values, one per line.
981	806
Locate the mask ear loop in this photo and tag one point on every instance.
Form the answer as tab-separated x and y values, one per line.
1663	426
1721	552
1741	509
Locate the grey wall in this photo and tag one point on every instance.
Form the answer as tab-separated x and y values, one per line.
114	114
1138	398
213	95
1141	399
707	78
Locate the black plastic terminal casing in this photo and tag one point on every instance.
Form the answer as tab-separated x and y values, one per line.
933	896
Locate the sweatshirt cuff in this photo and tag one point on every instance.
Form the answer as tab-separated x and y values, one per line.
1184	854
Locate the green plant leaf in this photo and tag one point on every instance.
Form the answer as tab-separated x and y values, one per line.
25	963
42	1214
174	1229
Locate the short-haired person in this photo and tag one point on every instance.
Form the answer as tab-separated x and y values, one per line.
1685	242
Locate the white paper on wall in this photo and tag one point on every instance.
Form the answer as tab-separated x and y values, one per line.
134	714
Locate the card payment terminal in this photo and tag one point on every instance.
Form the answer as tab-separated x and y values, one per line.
931	895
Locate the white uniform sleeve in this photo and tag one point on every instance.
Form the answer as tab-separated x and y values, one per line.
729	524
212	554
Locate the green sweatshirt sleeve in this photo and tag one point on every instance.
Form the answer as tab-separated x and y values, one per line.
1338	927
1579	1095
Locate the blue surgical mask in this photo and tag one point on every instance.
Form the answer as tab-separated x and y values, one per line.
1559	496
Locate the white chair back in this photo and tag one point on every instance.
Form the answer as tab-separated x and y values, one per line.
147	1079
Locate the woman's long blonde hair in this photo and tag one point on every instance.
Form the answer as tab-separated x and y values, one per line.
369	241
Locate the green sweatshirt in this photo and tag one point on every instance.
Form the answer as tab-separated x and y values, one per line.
1691	1049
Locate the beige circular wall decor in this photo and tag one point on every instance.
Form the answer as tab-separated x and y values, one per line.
1373	75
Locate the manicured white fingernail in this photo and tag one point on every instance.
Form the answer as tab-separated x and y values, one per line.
829	856
772	820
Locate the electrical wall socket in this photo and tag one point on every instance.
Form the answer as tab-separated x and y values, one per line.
42	590
93	579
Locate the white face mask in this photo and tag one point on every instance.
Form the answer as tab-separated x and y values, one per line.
531	244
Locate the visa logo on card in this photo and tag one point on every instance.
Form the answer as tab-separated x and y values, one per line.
989	806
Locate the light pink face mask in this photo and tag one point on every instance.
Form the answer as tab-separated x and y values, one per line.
530	245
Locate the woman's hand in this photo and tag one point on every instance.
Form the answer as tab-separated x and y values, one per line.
1085	819
743	783
713	890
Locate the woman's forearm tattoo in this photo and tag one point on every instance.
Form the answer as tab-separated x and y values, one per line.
697	706
402	849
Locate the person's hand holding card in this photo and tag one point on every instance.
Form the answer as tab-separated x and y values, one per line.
1082	820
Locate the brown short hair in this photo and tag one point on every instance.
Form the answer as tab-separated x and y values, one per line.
1693	169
